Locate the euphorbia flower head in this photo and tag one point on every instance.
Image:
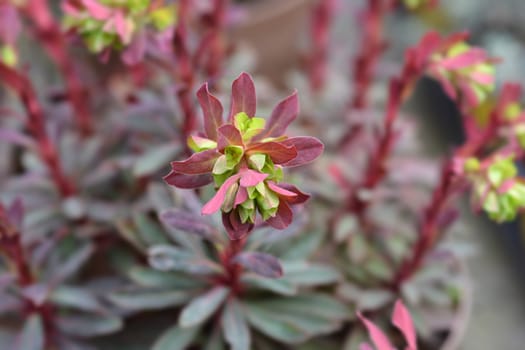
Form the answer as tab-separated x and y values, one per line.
244	157
496	187
465	72
118	24
10	27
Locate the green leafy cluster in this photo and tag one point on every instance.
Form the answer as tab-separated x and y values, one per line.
498	189
99	35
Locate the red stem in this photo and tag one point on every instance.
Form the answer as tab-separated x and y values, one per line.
430	231
320	33
373	45
11	245
49	33
37	127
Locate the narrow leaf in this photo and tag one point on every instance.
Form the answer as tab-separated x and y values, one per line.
235	327
260	263
202	307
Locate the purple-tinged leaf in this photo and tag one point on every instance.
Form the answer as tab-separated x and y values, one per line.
279	190
15	213
234	227
212	111
251	178
301	196
260	263
282	115
198	163
279	152
403	321
187	222
203	307
16	138
215	203
229	135
235	327
187	181
308	149
32	335
283	218
243	96
378	337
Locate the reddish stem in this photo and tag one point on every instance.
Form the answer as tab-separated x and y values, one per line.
373	45
233	269
430	231
320	33
11	245
49	33
36	125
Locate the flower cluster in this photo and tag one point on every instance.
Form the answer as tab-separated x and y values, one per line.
244	157
466	73
10	27
106	24
496	187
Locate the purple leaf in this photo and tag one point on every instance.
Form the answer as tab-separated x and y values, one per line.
279	152
187	222
243	96
308	149
187	181
283	217
251	178
280	191
260	263
215	203
378	337
198	163
229	135
403	321
212	111
234	227
282	115
301	196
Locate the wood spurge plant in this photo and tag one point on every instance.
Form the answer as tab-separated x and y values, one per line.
138	212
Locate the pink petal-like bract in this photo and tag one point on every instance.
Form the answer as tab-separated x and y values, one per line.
378	337
282	115
187	181
243	96
279	152
283	218
308	149
212	111
280	191
251	178
215	203
97	10
403	321
198	163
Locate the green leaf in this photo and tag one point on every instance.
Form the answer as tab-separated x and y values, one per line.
202	307
305	274
234	326
176	338
274	327
76	298
280	286
147	277
32	335
138	300
89	325
155	159
150	232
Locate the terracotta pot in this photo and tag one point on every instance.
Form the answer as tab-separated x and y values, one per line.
273	28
